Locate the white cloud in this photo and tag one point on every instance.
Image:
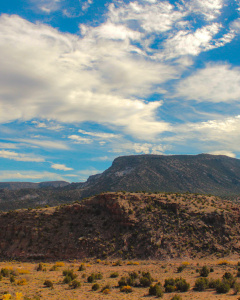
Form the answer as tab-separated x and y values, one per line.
50	126
223	152
103	135
210	9
60	167
214	83
8	145
44	143
138	148
20	156
29	175
188	43
47	6
79	140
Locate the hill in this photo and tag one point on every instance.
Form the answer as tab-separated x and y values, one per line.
203	173
206	174
32	185
127	225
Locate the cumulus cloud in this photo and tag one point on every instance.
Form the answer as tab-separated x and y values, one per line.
214	83
60	167
20	156
223	152
144	148
209	9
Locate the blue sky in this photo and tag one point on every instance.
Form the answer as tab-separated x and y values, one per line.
83	82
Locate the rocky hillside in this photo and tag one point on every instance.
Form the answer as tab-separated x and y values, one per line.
126	225
204	173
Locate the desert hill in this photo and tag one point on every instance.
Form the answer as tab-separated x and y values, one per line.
32	185
206	174
127	225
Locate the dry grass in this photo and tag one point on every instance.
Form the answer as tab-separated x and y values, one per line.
33	280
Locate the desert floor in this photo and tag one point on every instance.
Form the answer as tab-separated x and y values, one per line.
32	286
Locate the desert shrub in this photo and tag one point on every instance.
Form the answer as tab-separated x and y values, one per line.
82	267
12	279
91	278
170	288
117	263
126	289
145	281
182	285
228	277
22	281
40	267
156	290
60	264
67	279
211	270
75	284
204	271
176	297
70	274
180	269
114	275
106	291
106	287
134	275
122	281
5	272
94	276
54	268
48	283
178	284
236	288
223	287
213	283
95	287
201	284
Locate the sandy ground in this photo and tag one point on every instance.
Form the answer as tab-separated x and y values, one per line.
160	270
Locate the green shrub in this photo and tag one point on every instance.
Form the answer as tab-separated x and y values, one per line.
223	287
40	267
176	297
213	283
201	284
182	285
236	288
204	272
228	277
12	279
114	275
67	279
5	272
180	269
145	281
82	268
70	274
95	287
48	283
122	281
156	290
170	288
75	284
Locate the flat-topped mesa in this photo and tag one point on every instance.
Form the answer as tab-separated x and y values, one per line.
126	225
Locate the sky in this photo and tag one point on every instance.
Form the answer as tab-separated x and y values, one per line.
83	82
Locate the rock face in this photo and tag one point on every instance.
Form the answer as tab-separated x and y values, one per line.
204	173
127	225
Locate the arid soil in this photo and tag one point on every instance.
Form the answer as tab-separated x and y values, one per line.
32	287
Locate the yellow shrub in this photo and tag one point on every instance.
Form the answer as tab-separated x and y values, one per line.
23	271
98	261
7	297
185	263
106	291
22	281
126	289
19	296
60	264
223	262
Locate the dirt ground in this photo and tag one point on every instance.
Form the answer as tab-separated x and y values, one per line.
32	286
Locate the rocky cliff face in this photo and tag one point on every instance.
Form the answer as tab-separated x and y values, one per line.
123	225
204	173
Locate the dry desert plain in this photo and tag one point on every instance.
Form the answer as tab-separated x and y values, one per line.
29	283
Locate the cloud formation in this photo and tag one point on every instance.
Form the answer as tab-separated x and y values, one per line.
20	156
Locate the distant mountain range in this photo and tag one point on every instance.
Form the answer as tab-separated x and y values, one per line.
204	173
